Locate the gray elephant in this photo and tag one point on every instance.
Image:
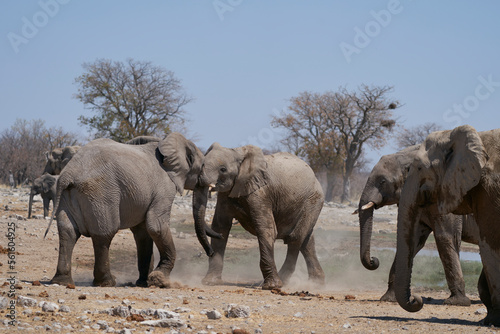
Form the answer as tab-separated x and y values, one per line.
382	188
272	196
44	185
58	158
454	171
110	186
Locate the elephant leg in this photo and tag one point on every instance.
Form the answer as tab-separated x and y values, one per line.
157	226
68	236
484	291
266	234
221	223
489	282
314	269
390	295
448	235
46	203
145	260
102	271
288	267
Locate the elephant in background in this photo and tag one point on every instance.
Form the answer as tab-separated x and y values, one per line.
58	158
382	188
454	171
272	196
44	185
110	186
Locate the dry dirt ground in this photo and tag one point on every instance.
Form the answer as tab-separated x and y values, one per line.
347	303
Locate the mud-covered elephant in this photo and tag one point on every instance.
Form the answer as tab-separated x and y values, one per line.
382	188
454	171
44	185
272	196
58	158
110	186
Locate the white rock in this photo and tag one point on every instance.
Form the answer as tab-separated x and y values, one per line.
213	315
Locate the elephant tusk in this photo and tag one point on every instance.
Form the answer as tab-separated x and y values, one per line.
367	206
355	212
211	186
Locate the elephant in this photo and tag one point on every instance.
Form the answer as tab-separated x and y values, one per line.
383	187
110	186
272	196
454	171
44	185
58	158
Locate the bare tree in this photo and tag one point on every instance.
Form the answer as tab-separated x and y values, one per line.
23	147
415	135
331	129
130	99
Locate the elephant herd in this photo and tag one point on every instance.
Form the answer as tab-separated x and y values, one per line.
449	185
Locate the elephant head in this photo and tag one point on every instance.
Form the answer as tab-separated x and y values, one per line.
45	185
58	158
382	188
447	165
237	172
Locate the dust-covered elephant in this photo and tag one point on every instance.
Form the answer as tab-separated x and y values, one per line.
454	171
382	188
110	186
44	185
58	158
272	196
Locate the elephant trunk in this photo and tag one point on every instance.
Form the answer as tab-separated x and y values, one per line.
407	242
32	194
200	198
365	214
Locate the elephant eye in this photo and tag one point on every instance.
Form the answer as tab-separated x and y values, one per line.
223	169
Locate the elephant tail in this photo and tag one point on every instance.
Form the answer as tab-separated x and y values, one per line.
63	183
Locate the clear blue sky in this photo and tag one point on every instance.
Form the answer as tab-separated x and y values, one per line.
242	60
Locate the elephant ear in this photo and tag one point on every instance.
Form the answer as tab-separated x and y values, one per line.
180	157
68	153
48	182
252	173
464	157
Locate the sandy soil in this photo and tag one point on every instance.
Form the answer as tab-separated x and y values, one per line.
347	303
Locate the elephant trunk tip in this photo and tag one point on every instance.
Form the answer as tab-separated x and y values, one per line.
412	304
372	264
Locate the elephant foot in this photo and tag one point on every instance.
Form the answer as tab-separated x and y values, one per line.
212	280
63	280
105	282
272	283
158	279
141	283
389	296
493	318
457	300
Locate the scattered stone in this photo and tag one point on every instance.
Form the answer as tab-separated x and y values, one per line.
65	309
70	286
240	331
26	301
135	317
49	307
182	310
349	297
298	315
103	325
165	314
480	311
82	297
43	294
238	311
120	311
347	325
214	315
4	302
165	323
36	283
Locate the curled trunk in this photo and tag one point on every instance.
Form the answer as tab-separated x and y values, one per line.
200	198
365	228
407	241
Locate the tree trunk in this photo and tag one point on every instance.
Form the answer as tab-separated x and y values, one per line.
330	186
346	189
